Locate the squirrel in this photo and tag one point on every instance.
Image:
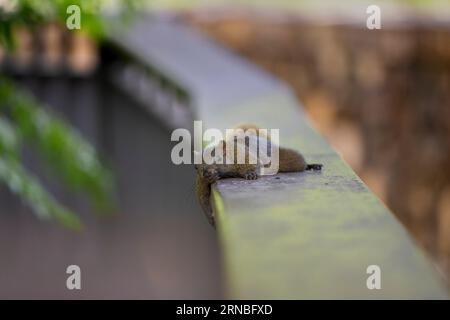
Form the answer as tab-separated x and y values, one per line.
207	174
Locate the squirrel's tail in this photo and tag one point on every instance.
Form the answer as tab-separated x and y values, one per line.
314	166
292	161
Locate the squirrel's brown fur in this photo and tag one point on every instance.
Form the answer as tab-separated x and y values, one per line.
289	161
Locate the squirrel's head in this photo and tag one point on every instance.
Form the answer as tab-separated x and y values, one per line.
207	172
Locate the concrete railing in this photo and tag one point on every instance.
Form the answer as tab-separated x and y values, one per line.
293	235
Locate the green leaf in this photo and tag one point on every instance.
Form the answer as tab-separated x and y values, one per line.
30	13
67	154
9	140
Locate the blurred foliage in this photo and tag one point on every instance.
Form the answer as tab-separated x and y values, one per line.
23	120
29	13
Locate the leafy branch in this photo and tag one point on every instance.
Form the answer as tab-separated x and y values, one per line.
23	120
69	155
31	13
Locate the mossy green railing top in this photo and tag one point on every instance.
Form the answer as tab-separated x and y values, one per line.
293	235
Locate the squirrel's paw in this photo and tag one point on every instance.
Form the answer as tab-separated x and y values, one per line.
251	175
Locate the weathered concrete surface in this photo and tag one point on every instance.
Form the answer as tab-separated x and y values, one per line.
312	235
304	235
